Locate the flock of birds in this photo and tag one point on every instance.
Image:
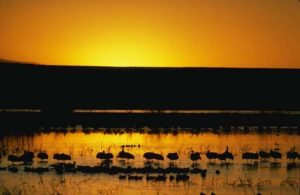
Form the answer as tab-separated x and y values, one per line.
226	156
177	174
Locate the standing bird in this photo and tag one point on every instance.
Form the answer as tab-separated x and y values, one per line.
195	156
292	155
212	156
27	157
264	155
251	156
64	157
125	155
43	156
56	156
173	156
61	156
275	155
13	158
104	156
153	156
226	155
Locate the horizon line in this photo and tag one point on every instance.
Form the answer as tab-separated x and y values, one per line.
159	111
5	61
147	67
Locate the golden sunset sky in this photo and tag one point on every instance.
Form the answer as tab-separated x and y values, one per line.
206	33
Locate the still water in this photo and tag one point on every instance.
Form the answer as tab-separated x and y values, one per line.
236	178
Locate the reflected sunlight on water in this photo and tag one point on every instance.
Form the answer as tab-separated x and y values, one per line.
84	147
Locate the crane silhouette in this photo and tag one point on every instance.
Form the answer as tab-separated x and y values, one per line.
125	155
195	156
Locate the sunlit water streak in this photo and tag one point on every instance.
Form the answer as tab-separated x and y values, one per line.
161	111
84	147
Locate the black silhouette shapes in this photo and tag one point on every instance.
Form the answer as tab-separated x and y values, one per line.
264	155
153	156
195	156
275	155
250	156
61	156
104	156
125	155
173	156
43	156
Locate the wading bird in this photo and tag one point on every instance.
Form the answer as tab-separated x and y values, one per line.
264	155
153	156
104	156
275	155
173	156
195	156
43	156
125	155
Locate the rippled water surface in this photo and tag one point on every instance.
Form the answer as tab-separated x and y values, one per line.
235	178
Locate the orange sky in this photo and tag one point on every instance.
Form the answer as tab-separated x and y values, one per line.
235	33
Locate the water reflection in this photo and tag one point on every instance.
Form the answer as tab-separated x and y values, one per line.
78	144
83	149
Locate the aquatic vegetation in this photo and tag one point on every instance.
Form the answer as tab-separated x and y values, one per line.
103	177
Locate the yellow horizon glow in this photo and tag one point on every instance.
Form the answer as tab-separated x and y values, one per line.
177	33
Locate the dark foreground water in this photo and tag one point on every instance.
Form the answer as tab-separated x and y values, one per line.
235	178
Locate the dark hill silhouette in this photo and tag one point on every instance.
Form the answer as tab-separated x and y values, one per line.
63	88
59	89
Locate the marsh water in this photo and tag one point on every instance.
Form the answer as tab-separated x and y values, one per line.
235	178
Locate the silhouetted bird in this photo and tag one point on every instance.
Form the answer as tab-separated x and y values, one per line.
211	155
125	155
292	155
275	155
64	157
13	158
195	156
173	156
27	157
153	156
264	155
43	156
250	156
226	155
104	156
56	156
61	156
